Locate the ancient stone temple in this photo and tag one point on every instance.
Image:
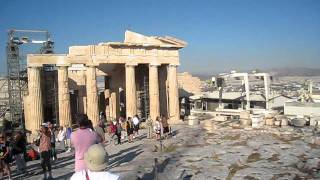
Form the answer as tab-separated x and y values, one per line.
139	74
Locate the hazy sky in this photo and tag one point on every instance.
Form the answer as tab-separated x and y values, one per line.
221	35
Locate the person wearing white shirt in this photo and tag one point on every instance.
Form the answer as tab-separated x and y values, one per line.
61	136
157	128
96	160
136	122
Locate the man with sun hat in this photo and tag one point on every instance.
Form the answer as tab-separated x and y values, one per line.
96	159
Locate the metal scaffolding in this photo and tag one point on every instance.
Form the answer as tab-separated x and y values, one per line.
144	98
17	66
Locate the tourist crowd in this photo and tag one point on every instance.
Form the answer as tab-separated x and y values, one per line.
87	142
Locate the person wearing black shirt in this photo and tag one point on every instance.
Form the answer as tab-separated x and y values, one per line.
53	141
18	149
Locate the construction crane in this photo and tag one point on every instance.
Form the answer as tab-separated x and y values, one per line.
17	66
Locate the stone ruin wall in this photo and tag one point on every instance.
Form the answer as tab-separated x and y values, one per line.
189	84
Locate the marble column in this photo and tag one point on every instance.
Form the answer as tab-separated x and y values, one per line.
82	94
64	97
163	90
131	95
35	99
92	95
113	105
26	107
107	96
174	111
154	92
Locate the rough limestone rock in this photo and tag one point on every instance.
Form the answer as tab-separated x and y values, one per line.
245	122
284	122
220	118
235	125
317	140
245	115
192	121
313	122
269	121
257	120
277	123
298	122
208	125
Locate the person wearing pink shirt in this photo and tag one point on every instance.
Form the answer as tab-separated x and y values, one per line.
81	140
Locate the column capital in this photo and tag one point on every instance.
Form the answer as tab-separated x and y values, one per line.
173	65
131	64
63	65
154	64
35	66
91	65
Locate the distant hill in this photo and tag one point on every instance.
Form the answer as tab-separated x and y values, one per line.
203	77
298	71
295	71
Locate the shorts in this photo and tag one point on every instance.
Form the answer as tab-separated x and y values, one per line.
129	132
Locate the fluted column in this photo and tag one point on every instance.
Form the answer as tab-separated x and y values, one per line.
82	94
26	107
107	96
64	97
113	105
154	92
92	95
35	99
174	111
163	90
131	96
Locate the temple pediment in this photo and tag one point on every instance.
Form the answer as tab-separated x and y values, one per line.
167	41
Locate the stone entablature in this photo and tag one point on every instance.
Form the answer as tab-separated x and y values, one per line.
163	51
123	49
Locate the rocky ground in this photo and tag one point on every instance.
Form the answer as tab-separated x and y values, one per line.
242	153
223	153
